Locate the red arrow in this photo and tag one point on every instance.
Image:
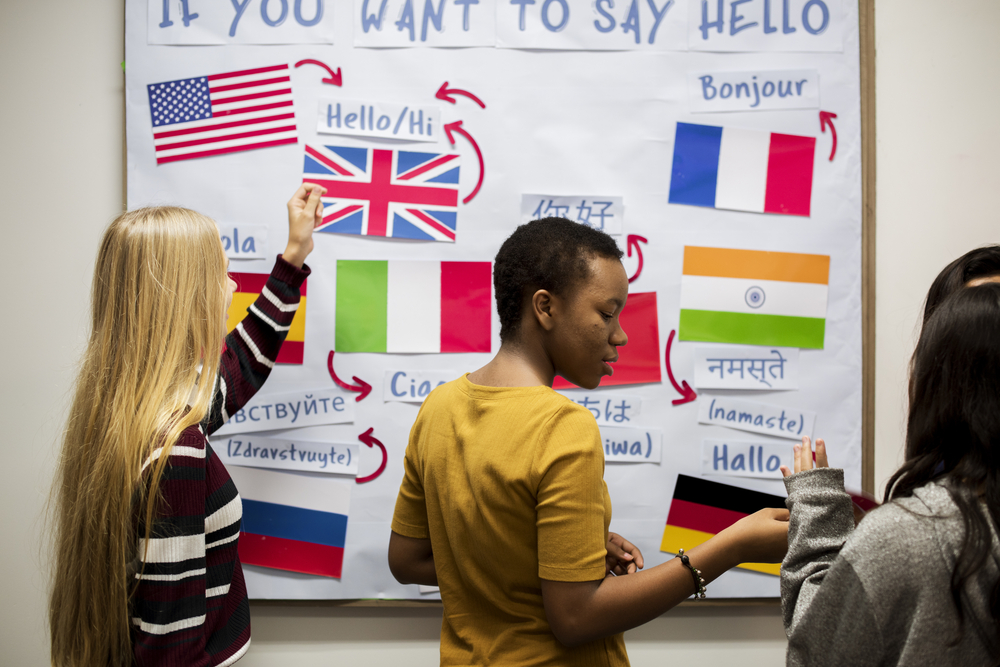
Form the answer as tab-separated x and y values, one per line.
362	386
457	127
684	389
826	118
371	441
635	240
445	93
334	77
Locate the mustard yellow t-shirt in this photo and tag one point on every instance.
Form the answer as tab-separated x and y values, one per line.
508	484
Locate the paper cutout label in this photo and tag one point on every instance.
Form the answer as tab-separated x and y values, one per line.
745	459
364	118
387	193
604	213
248	289
283	454
413	386
382	23
241	22
242	241
632	445
291	410
759	90
615	410
293	521
766	25
755	417
753	297
403	306
193	117
656	25
639	360
753	368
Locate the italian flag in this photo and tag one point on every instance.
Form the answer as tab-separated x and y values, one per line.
754	297
413	306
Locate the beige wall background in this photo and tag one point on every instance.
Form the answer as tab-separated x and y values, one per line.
61	182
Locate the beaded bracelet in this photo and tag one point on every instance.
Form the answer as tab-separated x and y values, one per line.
699	583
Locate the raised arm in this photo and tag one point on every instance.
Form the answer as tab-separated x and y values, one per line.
253	345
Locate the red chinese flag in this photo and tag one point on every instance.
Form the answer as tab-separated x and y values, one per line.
639	360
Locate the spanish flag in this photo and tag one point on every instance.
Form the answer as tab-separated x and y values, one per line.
248	288
701	508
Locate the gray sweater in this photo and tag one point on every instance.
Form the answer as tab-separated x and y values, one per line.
879	594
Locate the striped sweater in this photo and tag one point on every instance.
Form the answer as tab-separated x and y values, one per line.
191	605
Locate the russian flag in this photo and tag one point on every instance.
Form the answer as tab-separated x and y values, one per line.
742	170
295	522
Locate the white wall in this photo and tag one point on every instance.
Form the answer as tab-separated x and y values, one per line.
60	181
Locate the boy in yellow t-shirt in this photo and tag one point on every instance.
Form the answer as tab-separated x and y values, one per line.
503	503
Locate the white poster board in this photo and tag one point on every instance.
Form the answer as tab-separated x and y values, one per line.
589	109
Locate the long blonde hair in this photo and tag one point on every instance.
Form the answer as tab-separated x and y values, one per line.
158	306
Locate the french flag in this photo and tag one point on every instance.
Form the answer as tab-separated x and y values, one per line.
742	170
295	522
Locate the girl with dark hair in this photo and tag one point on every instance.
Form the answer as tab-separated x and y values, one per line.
503	503
975	267
918	581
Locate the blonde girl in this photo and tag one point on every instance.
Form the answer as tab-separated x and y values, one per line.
146	517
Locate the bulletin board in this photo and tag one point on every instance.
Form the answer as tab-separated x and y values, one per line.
723	143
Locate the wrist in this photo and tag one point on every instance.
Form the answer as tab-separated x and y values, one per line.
294	254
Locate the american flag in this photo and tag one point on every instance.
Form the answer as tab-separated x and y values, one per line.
222	113
381	192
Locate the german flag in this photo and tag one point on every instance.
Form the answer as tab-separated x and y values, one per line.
248	288
700	509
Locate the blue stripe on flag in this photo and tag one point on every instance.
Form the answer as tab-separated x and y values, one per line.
696	164
447	218
450	176
407	160
313	167
404	229
294	523
356	156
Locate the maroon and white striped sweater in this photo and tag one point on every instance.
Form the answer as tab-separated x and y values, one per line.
191	605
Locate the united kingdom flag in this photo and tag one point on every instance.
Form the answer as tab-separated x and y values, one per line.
382	192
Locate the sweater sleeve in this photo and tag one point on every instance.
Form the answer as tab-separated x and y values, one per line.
828	617
253	345
168	607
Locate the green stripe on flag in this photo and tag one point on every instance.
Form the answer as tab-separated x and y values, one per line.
362	291
715	326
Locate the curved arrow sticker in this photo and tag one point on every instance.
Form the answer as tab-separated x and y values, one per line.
362	386
372	441
457	127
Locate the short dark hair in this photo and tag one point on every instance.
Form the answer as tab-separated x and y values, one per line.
979	263
551	254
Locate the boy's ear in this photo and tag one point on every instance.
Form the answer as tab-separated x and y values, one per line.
543	307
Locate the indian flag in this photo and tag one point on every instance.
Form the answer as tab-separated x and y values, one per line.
754	297
248	288
413	306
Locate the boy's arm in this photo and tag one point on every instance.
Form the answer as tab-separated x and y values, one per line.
411	560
